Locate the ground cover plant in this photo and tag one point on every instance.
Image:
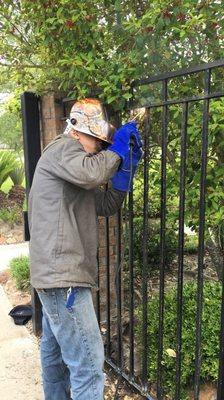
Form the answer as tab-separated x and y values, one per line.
210	336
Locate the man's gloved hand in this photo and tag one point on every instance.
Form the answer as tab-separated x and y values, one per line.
122	180
122	138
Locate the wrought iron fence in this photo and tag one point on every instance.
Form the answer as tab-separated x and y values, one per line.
163	104
156	99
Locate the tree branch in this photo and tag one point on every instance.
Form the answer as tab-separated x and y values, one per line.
25	65
16	28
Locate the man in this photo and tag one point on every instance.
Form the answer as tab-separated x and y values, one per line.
64	202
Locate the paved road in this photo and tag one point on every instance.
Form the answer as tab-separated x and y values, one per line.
9	251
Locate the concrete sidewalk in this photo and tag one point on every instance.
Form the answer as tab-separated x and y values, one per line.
19	359
9	251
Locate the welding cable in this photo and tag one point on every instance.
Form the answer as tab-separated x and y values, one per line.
118	270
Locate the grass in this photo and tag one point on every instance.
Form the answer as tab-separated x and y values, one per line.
20	271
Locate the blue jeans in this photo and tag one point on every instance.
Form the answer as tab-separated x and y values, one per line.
72	353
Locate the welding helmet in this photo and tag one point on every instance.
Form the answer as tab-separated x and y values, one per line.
89	116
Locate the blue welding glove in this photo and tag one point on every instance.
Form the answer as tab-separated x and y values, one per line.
122	180
122	138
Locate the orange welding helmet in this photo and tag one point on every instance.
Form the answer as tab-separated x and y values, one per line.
89	116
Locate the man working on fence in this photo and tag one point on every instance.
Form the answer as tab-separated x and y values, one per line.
64	202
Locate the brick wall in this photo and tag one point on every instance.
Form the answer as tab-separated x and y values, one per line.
51	118
52	125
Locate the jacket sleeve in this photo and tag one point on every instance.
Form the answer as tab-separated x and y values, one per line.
71	163
108	202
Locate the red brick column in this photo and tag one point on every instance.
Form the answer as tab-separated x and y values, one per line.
51	118
103	264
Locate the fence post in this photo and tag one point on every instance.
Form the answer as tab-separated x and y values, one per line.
32	152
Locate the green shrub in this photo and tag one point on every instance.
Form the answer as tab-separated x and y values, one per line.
20	271
7	163
17	174
7	185
153	245
210	336
191	244
11	215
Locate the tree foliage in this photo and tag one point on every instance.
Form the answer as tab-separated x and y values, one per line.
101	45
11	125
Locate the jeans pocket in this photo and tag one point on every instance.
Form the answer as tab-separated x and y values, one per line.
48	299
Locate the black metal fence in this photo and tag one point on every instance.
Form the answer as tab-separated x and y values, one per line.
163	105
167	103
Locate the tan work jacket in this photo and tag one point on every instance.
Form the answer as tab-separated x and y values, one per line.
64	203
